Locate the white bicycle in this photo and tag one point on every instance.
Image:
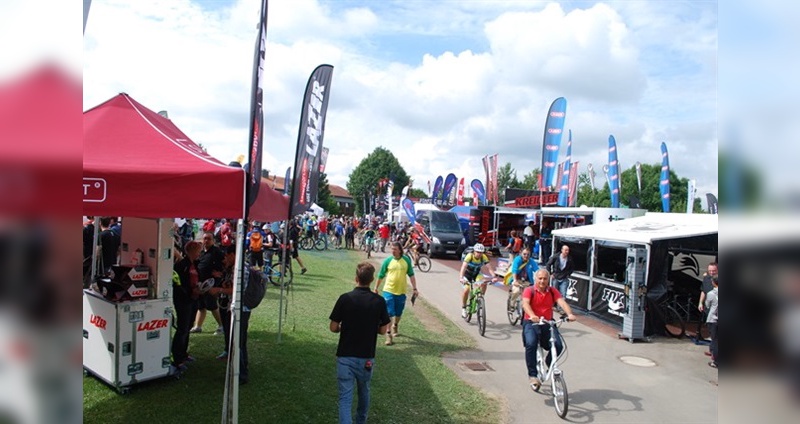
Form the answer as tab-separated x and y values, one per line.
552	373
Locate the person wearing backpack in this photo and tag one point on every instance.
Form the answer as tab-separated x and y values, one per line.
514	245
255	246
253	289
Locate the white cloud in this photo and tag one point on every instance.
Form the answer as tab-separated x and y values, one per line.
440	86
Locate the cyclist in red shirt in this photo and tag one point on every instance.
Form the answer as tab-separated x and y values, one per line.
538	301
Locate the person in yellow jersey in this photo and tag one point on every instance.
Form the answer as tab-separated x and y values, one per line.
394	270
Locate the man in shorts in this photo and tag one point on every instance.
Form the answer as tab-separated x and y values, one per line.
394	270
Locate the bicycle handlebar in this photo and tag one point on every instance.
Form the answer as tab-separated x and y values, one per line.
552	322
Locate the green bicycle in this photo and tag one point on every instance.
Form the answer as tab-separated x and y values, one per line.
476	304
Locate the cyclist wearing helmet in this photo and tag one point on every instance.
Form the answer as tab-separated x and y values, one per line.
470	270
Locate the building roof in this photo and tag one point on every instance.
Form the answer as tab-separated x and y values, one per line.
277	183
646	229
337	191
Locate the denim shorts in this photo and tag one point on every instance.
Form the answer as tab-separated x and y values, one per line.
395	303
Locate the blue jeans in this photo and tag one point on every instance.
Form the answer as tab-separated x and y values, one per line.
350	372
537	335
562	286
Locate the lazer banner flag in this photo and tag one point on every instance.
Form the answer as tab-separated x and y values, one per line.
664	183
563	192
449	185
493	168
573	185
488	183
404	193
613	171
592	174
480	192
408	207
713	207
691	194
256	135
323	160
309	140
460	193
437	187
553	129
286	181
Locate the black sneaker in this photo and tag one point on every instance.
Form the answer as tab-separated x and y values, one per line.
303	271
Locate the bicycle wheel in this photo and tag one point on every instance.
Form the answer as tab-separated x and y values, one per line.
673	323
424	263
306	243
320	244
560	395
275	275
512	310
481	315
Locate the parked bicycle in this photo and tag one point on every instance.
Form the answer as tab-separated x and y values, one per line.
310	242
277	267
551	372
476	304
668	317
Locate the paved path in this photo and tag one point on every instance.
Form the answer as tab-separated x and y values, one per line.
679	388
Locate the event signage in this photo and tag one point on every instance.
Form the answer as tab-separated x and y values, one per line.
255	147
664	183
535	201
480	192
309	140
449	184
553	130
408	207
563	191
613	171
94	189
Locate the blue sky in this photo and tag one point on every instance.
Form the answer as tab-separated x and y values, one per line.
440	84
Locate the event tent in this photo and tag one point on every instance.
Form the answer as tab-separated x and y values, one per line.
138	163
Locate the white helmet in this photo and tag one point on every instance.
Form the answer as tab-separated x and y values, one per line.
479	247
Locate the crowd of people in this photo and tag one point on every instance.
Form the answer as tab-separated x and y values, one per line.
362	314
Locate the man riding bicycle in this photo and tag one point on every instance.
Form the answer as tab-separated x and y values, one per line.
522	271
413	244
537	302
471	270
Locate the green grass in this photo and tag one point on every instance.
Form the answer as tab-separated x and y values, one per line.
295	381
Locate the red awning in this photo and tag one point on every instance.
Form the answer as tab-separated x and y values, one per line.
138	163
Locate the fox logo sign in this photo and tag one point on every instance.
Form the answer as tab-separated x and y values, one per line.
616	301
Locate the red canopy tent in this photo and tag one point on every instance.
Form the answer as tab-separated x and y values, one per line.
138	163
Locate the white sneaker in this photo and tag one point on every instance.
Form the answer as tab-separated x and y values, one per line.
463	312
219	331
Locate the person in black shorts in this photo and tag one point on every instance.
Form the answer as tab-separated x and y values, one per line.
294	239
209	265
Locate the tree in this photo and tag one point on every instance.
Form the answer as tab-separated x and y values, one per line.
379	164
531	180
650	196
506	177
417	193
324	197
